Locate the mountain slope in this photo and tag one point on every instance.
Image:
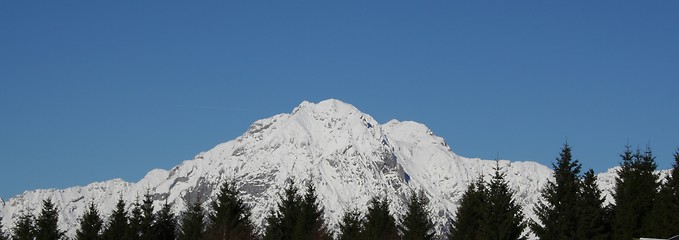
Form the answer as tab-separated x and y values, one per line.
344	152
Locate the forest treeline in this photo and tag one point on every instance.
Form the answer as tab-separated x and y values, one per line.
571	207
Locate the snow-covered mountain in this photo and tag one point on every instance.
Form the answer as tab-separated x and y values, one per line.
348	155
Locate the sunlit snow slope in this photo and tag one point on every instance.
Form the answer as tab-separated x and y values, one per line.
348	155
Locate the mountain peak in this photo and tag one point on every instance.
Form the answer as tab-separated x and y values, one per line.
344	152
327	107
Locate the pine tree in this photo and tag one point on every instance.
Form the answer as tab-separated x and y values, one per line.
416	223
282	221
90	224
310	223
24	227
591	212
351	226
229	216
46	225
192	222
380	224
471	214
665	213
635	189
559	198
164	228
147	218
134	222
3	236
117	227
505	219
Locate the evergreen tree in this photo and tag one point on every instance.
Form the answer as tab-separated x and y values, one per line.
281	222
351	226
117	227
230	216
416	223
134	222
3	236
635	189
555	212
471	214
90	224
164	227
24	227
147	218
46	225
591	212
665	213
505	219
192	222
310	223
380	224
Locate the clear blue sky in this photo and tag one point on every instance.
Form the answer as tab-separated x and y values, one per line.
95	90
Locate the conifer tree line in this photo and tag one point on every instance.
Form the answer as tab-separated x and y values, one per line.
571	207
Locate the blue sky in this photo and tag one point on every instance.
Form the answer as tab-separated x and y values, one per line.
94	90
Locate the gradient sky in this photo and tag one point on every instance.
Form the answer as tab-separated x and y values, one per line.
96	90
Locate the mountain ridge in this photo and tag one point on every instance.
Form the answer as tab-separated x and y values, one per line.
346	153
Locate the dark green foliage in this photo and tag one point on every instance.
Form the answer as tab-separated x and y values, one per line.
164	228
380	224
117	227
416	224
90	224
505	218
24	228
635	190
351	226
556	214
192	222
281	222
46	225
147	218
229	216
591	212
298	216
3	236
469	217
665	214
134	226
310	223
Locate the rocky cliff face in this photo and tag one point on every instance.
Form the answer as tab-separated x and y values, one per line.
347	154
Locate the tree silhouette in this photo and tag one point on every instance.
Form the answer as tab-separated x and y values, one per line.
24	227
591	212
380	224
505	219
416	223
665	213
117	227
147	218
165	226
310	223
90	224
46	225
635	191
3	236
351	226
193	222
281	222
134	226
229	216
556	215
471	213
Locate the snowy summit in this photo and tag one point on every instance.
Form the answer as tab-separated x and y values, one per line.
348	155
